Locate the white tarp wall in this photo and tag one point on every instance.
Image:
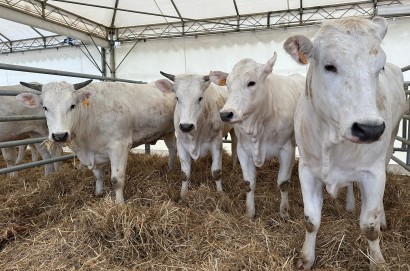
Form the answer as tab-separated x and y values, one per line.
192	55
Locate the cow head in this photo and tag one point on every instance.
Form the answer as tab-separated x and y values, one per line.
246	83
189	93
345	62
60	102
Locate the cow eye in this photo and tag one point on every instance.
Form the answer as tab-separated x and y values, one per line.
251	83
45	108
200	99
176	98
72	106
330	68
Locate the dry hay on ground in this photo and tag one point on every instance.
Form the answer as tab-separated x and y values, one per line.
56	223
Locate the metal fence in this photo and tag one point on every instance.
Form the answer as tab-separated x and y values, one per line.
28	141
404	138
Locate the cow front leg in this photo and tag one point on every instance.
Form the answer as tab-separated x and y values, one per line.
286	160
216	168
312	193
99	182
170	142
372	189
249	176
42	149
185	159
118	155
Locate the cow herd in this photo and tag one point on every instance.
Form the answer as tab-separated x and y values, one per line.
343	116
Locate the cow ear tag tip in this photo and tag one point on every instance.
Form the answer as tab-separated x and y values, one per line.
302	57
86	102
222	82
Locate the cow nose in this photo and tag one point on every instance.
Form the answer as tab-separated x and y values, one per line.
366	132
226	116
59	137
186	127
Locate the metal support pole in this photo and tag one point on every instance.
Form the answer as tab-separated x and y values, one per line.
147	149
62	73
16	143
21	118
103	63
36	163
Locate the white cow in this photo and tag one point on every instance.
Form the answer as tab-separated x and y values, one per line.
262	104
17	130
346	121
102	121
197	123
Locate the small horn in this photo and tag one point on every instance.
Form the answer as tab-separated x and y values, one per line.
169	76
82	84
38	87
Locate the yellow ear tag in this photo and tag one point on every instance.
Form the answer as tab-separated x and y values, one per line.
86	102
222	82
302	57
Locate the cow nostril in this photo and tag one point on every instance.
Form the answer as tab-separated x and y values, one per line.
366	132
186	127
226	116
59	137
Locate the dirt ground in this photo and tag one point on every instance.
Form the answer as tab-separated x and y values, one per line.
55	222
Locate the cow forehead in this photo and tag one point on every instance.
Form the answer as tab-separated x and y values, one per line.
243	70
188	84
57	93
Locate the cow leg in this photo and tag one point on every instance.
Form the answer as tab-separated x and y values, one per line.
185	159
286	160
99	182
9	155
312	193
372	189
170	141
216	168
56	151
118	154
234	146
21	154
42	149
34	154
249	176
350	200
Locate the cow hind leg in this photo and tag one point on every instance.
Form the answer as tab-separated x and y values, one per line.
34	153
185	159
216	167
21	154
286	160
170	142
312	193
118	154
42	149
10	157
99	182
249	176
350	200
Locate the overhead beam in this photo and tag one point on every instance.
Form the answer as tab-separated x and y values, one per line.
17	15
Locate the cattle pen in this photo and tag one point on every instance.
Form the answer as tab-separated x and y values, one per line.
59	221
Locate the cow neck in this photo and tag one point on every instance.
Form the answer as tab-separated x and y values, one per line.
84	125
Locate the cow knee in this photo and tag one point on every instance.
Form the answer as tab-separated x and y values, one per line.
310	225
217	174
371	232
116	182
284	186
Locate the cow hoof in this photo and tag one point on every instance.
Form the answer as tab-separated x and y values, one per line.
284	215
303	265
379	266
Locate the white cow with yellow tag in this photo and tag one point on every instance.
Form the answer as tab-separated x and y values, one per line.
102	121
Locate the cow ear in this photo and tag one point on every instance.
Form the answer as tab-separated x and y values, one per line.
300	48
218	77
381	26
268	67
164	85
86	96
29	100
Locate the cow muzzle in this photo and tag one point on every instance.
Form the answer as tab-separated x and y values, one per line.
186	127
367	132
59	137
226	116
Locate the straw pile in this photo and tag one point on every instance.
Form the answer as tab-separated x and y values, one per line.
56	223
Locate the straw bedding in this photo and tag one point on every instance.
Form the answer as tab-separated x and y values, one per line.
56	223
